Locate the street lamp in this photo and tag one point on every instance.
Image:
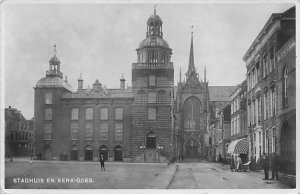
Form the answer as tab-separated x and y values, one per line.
158	149
142	147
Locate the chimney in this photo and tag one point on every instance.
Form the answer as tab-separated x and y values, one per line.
122	82
80	83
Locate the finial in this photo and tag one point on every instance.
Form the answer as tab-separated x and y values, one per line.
192	28
54	49
122	76
154	9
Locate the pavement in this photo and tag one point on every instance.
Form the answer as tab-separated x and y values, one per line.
205	175
191	174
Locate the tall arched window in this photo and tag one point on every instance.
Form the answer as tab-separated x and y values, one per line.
288	148
285	79
191	113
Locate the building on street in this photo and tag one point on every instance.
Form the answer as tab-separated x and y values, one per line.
19	134
270	63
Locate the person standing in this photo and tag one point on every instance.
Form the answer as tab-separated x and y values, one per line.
274	166
101	159
265	165
232	166
238	163
235	163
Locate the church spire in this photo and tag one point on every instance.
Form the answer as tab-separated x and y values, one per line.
191	68
180	75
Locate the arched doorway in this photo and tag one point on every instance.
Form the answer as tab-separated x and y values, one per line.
88	153
288	149
151	141
103	151
118	153
191	149
74	152
47	152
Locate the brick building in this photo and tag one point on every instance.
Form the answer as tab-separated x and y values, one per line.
152	87
239	130
19	134
265	93
83	124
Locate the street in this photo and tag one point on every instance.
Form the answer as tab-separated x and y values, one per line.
205	175
197	174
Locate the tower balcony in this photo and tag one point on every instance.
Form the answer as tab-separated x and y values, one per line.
54	73
152	65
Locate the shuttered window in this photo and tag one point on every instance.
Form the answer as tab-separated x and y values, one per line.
119	113
118	131
74	131
103	131
103	113
89	114
48	114
89	131
48	131
74	113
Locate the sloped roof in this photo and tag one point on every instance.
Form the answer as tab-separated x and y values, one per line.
105	93
13	114
220	93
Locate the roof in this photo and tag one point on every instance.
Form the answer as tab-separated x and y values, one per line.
220	93
13	114
154	17
53	81
104	93
290	13
155	41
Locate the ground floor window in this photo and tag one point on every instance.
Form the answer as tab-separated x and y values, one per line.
118	153
74	153
88	153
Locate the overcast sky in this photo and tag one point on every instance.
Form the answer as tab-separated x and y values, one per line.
99	41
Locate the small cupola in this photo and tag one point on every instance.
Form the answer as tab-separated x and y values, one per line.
54	66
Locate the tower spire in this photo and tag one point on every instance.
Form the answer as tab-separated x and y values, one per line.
180	75
191	68
204	73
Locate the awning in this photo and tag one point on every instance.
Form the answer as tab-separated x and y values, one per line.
239	146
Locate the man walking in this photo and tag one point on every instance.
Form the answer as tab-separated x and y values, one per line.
101	159
265	165
274	166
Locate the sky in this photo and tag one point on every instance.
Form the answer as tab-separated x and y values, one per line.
99	41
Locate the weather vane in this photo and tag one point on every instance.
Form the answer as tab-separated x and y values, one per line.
54	49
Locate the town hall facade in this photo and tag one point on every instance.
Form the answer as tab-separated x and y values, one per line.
149	122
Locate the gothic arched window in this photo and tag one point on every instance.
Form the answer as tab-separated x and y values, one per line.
191	112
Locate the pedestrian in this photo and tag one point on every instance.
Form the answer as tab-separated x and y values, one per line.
238	163
235	163
265	165
274	166
101	160
232	166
